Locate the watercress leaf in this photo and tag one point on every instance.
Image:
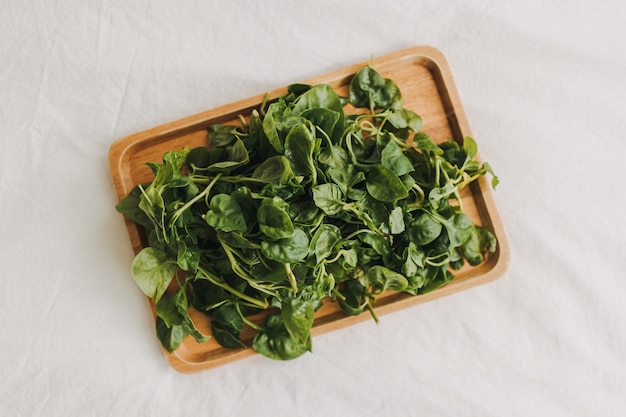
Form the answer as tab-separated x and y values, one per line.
275	169
269	271
349	259
384	185
439	195
225	214
188	254
153	272
485	167
322	96
129	207
323	119
424	229
353	300
363	85
377	242
170	337
329	198
382	279
424	142
298	315
292	249
346	177
271	124
459	228
334	156
396	221
227	325
306	214
236	156
470	147
206	296
413	260
221	135
275	342
299	147
235	240
273	218
480	242
172	308
405	119
368	89
392	158
152	204
324	240
298	89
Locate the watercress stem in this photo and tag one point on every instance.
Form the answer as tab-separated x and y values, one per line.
291	277
263	304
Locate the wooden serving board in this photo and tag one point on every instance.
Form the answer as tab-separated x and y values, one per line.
424	78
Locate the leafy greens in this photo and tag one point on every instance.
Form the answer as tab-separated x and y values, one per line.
301	204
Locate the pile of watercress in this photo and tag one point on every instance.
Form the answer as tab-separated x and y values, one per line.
303	202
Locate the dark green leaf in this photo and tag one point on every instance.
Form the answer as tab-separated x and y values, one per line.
292	249
273	218
225	214
275	342
384	185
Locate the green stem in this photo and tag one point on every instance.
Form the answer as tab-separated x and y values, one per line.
263	304
191	202
291	277
246	321
371	310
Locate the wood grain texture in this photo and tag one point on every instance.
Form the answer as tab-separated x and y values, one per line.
425	80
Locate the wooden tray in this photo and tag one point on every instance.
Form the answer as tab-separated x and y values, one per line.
423	75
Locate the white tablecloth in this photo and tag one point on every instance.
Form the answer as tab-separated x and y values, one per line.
543	85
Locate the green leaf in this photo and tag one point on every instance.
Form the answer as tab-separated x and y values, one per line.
382	279
299	147
225	214
458	228
292	249
273	218
392	158
321	96
275	169
298	315
470	147
480	242
413	260
396	221
368	89
424	229
170	337
324	241
424	142
346	177
227	325
384	185
275	341
272	124
324	119
405	119
188	254
153	272
329	198
236	155
129	207
172	308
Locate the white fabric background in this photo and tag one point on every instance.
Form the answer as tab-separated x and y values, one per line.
543	85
